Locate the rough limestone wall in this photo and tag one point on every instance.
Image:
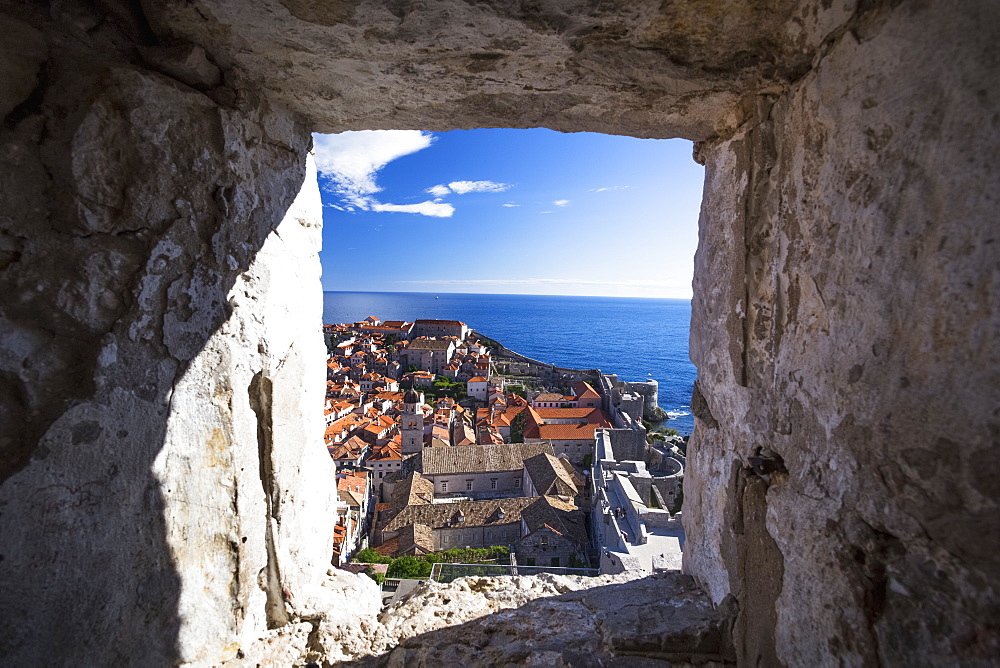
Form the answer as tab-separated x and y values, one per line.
160	494
845	324
244	437
646	68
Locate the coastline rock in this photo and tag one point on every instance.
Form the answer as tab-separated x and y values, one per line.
656	414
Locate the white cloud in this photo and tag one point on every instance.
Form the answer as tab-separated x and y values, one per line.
439	190
510	205
435	209
561	202
606	188
544	212
352	161
462	187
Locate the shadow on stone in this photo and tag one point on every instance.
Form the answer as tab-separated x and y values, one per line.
127	218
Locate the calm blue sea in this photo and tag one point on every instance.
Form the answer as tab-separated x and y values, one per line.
634	338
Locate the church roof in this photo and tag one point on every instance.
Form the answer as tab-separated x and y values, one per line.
430	344
555	514
481	458
549	475
412	490
490	512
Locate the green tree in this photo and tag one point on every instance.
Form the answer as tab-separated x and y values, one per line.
409	568
370	556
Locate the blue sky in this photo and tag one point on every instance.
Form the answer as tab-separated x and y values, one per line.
508	212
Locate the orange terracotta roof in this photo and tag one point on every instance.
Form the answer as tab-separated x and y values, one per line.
349	449
390	396
583	390
562	432
594	415
384	453
350	481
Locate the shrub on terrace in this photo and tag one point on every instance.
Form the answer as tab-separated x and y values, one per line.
446	387
408	567
468	555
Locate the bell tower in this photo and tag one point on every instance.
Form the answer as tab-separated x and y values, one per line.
411	423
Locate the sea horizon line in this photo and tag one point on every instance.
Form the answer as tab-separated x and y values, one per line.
501	294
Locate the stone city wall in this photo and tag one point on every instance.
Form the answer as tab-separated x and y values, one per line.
554	377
